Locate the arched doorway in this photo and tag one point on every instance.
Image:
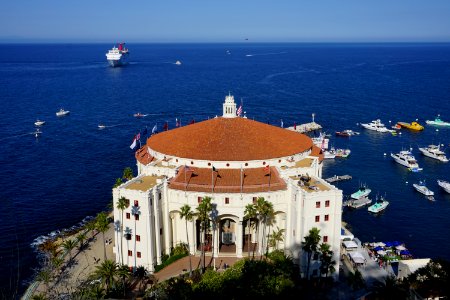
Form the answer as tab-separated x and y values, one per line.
227	235
203	238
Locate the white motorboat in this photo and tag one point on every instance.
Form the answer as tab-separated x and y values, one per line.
405	158
437	122
445	185
362	192
376	125
178	62
434	151
421	188
101	126
329	154
378	206
343	153
62	112
39	122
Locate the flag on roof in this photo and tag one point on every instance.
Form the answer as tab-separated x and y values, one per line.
267	169
138	136
133	144
154	128
166	126
239	111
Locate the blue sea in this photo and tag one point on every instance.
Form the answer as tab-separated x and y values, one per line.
54	181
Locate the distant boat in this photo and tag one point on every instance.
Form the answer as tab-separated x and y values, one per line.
37	133
438	122
39	122
100	126
445	185
118	56
434	151
362	192
405	158
376	125
421	188
178	62
346	133
62	112
139	115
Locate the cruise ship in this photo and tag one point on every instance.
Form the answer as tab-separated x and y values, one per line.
118	56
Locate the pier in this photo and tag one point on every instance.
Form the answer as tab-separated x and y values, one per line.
307	127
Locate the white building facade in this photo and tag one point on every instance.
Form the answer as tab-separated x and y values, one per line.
234	161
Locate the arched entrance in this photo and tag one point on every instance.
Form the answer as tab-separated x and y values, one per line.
227	235
203	238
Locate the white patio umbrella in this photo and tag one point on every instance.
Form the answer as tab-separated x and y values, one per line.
400	247
381	252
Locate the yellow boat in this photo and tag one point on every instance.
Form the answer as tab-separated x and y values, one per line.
412	125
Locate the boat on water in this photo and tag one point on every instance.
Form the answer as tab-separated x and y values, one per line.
421	188
338	178
434	151
39	122
437	122
363	191
343	153
329	154
37	133
321	141
139	115
378	206
376	125
445	185
101	126
413	125
118	56
178	62
396	127
405	158
62	112
346	133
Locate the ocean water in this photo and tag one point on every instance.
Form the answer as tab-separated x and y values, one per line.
55	181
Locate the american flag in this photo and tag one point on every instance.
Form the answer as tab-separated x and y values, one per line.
138	136
239	111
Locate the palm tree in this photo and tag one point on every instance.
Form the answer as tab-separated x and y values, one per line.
203	211
45	276
68	245
141	275
136	212
81	238
91	227
107	272
128	173
265	213
326	260
188	215
102	225
118	182
123	271
122	204
250	213
276	237
310	245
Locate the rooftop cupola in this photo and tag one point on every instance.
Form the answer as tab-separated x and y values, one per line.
229	107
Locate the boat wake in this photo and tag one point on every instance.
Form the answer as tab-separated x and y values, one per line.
18	136
264	54
269	77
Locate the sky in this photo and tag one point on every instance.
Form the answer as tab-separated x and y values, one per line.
225	21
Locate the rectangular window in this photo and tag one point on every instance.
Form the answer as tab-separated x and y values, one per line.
327	203
317	218
254	200
325	238
138	238
318	204
127	202
136	203
136	217
159	196
138	254
227	200
327	217
128	216
130	253
199	199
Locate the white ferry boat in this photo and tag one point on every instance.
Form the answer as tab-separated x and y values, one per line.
434	151
437	122
118	56
378	206
405	158
62	112
421	188
445	185
376	125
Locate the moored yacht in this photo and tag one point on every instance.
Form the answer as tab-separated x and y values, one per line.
434	151
437	121
445	185
421	188
62	112
375	125
39	122
405	158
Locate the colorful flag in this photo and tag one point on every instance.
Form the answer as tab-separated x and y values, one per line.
177	123
133	145
295	126
267	169
239	111
166	126
154	128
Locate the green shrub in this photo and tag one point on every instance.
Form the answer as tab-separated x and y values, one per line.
168	261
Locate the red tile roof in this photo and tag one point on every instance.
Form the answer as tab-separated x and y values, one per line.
143	156
229	139
316	151
228	180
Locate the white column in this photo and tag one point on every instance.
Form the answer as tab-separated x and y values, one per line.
192	237
166	229
150	235
156	210
217	240
239	239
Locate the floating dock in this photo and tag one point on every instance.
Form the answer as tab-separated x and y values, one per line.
353	203
338	178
